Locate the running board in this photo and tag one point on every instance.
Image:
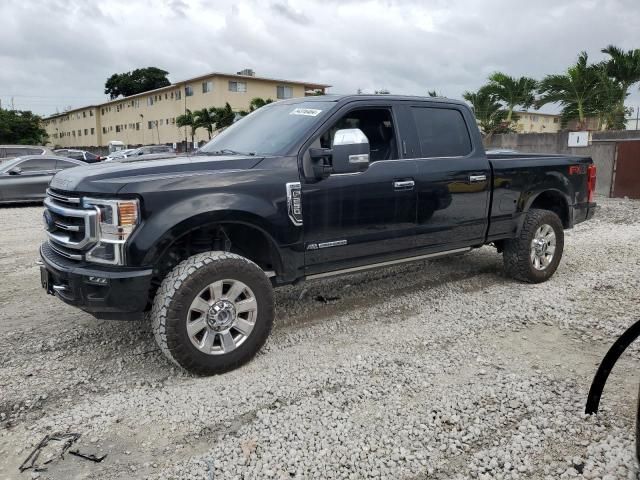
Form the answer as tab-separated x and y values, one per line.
386	264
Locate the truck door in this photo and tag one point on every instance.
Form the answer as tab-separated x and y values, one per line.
350	219
453	176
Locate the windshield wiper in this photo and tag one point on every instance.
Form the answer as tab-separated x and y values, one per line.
226	151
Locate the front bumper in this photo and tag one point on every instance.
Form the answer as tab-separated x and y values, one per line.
105	293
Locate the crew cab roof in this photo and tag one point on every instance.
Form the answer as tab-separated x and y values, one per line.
349	98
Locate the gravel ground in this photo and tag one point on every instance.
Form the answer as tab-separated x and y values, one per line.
442	369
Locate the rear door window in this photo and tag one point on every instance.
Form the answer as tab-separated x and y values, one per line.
442	132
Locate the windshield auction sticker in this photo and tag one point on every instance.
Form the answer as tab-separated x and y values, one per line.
307	112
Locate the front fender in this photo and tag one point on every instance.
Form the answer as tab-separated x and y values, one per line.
161	229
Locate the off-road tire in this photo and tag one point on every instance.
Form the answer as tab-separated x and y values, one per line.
178	290
517	251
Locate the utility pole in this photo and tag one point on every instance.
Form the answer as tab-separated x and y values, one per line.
637	115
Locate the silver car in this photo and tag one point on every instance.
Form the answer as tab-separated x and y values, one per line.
25	179
13	151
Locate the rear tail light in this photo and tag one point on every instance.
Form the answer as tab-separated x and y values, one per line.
591	182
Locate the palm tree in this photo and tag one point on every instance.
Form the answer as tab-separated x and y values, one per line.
206	118
489	112
624	68
255	104
608	104
512	91
188	120
576	90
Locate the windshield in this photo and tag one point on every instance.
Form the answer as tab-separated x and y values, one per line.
270	130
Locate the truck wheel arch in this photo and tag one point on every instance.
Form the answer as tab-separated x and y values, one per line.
549	199
203	233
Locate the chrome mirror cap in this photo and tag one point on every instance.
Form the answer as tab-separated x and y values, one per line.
349	136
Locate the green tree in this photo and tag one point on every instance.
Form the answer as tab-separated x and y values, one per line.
576	91
512	91
225	117
624	68
489	112
433	93
188	119
255	104
206	118
608	102
21	127
137	81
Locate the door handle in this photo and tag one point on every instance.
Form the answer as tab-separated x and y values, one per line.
477	178
404	184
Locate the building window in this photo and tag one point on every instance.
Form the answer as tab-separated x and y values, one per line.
188	90
173	120
161	121
207	87
104	129
237	86
91	113
150	124
84	114
117	128
166	95
86	131
284	92
93	131
555	120
137	125
149	101
178	94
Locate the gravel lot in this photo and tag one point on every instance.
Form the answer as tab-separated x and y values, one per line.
442	369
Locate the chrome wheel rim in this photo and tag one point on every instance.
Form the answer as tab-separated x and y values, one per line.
543	247
221	317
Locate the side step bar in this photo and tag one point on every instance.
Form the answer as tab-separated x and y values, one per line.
386	264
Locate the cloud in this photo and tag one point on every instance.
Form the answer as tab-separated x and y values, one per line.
286	11
57	53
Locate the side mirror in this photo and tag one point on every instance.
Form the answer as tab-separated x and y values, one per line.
350	153
15	171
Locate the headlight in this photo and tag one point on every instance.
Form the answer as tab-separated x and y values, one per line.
116	221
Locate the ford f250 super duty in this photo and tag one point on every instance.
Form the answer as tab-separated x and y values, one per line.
300	189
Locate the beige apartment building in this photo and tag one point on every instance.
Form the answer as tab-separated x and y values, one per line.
535	122
150	117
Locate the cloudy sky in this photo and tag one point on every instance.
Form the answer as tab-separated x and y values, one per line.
58	53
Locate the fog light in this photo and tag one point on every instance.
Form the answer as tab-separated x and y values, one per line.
98	280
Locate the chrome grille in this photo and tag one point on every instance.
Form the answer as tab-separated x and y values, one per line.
70	228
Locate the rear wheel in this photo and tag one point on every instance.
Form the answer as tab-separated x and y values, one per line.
213	312
535	254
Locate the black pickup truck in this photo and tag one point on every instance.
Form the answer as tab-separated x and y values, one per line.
300	189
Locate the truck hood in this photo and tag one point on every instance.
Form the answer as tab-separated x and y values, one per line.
110	177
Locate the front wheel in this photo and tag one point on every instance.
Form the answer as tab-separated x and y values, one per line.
535	254
213	312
